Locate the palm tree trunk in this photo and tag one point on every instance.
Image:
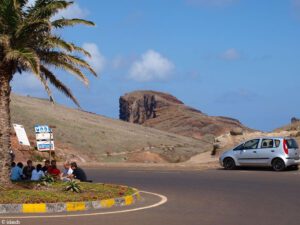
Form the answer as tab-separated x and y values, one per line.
5	128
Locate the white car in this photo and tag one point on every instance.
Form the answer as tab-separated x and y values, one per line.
276	152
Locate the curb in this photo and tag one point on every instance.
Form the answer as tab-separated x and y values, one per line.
69	206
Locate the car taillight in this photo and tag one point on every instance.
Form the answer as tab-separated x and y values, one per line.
285	148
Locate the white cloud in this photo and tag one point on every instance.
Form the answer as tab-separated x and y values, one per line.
151	66
213	3
74	11
97	61
230	55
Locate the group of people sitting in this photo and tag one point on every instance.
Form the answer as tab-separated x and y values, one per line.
29	172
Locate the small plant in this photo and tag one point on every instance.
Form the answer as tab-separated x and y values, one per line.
47	180
73	186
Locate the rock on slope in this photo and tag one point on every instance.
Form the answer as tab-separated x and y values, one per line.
100	139
165	112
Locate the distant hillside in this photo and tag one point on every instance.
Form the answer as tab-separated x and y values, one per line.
88	136
294	125
165	112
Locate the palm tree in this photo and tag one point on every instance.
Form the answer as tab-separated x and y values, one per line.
28	43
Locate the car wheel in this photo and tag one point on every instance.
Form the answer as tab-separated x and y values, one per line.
278	165
229	164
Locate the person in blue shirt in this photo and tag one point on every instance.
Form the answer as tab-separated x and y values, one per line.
16	171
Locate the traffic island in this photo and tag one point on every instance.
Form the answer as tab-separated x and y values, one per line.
30	197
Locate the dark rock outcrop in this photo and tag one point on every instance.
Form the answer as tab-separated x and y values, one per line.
165	112
138	110
295	120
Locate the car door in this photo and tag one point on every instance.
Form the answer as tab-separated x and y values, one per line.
248	153
265	151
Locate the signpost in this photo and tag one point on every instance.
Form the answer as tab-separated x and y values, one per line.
21	135
44	139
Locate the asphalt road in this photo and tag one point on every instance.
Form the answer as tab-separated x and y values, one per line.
212	197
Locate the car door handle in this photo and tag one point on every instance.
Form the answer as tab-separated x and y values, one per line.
272	151
254	151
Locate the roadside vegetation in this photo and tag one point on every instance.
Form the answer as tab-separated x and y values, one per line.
34	192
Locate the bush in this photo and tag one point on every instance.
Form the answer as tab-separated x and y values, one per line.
47	180
73	186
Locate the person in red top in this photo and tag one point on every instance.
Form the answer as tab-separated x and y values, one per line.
52	170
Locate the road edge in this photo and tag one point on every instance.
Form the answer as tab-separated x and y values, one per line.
70	206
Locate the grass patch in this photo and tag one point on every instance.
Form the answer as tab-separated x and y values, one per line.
31	192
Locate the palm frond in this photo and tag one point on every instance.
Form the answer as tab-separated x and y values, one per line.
47	8
56	42
80	62
60	23
45	84
81	50
32	27
58	84
5	42
65	62
28	42
26	57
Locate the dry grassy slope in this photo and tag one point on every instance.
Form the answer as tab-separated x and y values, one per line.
92	136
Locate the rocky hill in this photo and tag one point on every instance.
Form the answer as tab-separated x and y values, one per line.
165	112
89	137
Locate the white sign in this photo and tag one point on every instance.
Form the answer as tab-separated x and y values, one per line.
45	145
44	138
21	134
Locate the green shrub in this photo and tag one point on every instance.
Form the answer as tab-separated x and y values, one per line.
73	186
47	180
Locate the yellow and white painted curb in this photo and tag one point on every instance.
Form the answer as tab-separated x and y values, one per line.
69	206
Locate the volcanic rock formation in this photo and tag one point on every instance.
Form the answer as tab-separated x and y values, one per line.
165	112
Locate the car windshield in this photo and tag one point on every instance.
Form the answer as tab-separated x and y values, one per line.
291	143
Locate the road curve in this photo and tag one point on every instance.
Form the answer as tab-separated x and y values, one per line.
202	197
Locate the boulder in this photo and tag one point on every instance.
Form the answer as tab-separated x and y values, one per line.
237	131
295	120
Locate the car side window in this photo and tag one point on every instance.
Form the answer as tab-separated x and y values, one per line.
277	143
267	143
240	147
252	144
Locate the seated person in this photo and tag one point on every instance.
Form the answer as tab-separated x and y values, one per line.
46	166
78	173
37	173
16	173
27	171
66	175
52	170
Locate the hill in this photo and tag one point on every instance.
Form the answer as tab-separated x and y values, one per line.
89	137
165	112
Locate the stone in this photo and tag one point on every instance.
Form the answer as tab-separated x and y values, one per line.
237	131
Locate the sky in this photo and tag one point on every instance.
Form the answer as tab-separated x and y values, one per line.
235	58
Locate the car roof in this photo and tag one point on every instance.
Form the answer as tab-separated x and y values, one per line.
278	137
